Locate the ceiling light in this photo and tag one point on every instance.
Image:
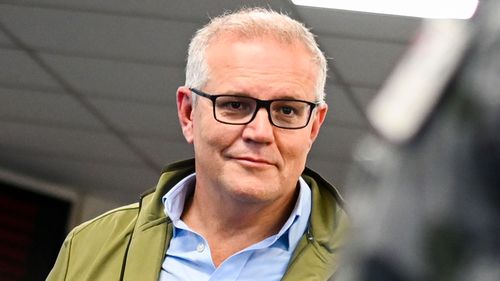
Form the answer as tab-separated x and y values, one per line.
435	9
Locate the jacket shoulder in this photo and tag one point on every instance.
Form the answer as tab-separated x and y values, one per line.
97	247
113	219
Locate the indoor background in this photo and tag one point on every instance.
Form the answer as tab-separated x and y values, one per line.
87	90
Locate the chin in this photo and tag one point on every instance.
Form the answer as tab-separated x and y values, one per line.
253	191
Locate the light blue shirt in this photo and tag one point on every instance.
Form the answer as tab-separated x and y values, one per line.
188	256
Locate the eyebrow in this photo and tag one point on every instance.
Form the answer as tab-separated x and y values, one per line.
245	94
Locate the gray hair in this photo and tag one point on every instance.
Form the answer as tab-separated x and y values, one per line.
252	23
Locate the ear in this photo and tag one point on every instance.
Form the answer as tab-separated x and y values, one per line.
185	112
317	121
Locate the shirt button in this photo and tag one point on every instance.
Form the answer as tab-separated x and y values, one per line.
200	247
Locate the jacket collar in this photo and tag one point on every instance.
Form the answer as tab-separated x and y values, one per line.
152	232
318	249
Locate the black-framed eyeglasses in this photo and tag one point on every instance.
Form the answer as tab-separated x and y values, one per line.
241	110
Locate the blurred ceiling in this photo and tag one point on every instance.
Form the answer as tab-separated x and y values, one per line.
87	88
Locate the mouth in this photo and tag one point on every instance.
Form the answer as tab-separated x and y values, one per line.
253	161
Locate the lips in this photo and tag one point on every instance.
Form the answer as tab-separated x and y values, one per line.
252	161
256	160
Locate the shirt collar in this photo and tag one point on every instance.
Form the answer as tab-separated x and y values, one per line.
174	199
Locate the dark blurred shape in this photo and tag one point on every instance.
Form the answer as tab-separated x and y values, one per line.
427	207
32	228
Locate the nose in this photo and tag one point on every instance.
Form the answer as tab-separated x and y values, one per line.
260	129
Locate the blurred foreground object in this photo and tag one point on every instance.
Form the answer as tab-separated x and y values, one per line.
425	197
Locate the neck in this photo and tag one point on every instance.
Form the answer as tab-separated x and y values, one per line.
230	225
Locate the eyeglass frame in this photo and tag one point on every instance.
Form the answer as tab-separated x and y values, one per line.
259	104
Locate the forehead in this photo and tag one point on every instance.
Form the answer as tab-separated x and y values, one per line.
263	67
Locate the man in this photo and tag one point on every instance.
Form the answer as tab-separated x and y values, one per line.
244	208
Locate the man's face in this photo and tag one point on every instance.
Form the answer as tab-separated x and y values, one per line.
257	162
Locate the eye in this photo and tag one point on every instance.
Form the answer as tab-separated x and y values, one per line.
234	105
286	110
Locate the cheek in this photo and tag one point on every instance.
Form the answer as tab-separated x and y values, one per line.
213	136
294	150
202	126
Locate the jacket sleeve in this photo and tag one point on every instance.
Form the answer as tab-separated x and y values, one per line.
58	272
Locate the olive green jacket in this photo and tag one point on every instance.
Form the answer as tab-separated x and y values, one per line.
129	243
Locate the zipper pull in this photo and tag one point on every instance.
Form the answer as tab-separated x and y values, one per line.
309	235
